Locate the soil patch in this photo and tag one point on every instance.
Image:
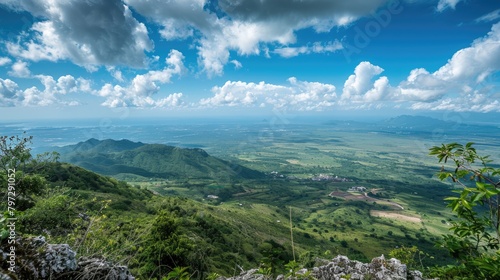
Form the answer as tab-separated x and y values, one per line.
397	216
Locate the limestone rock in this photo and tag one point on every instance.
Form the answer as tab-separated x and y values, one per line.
36	259
341	267
96	268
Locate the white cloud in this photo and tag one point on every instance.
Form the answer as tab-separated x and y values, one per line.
468	103
475	62
492	16
248	27
64	84
117	74
242	94
53	90
465	74
5	61
174	30
20	69
445	4
173	100
8	90
236	63
317	47
89	33
141	89
421	86
244	37
380	89
358	84
299	95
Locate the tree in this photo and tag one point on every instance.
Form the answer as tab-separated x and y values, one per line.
14	152
475	237
17	163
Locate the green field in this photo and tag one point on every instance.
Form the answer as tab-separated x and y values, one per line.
405	207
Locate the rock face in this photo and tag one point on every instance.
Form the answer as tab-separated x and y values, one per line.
36	259
342	267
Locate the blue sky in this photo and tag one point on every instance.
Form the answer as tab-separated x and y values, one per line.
92	58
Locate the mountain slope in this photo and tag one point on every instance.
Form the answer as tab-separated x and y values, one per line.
112	157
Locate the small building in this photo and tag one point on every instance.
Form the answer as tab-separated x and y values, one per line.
357	189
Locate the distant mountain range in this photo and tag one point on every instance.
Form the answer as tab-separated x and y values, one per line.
407	123
119	158
416	122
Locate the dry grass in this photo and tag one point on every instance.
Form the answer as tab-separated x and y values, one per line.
396	216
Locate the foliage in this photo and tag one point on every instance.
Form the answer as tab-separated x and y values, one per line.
51	215
411	256
476	234
16	159
178	273
153	235
14	151
275	256
293	271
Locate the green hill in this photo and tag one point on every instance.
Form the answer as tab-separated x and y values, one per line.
150	234
116	158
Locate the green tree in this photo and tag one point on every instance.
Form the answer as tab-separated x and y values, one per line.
17	163
15	152
274	255
475	237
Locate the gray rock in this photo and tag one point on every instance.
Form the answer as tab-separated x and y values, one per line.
341	266
249	275
36	259
96	268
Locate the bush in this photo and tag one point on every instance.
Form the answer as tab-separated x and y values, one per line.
475	238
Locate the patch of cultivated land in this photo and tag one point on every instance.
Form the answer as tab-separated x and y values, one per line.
393	215
365	197
404	205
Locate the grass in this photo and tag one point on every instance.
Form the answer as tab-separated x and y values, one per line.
396	166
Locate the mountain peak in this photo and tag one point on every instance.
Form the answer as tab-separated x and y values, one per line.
114	157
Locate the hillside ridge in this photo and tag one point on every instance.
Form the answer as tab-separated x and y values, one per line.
116	157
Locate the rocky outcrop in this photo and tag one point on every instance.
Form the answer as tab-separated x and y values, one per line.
378	269
36	259
342	267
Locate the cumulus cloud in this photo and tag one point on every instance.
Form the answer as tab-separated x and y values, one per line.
247	27
317	47
20	69
462	84
141	89
471	102
475	62
358	84
298	95
89	33
421	85
8	90
464	74
51	92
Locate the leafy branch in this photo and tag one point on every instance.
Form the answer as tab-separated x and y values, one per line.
477	231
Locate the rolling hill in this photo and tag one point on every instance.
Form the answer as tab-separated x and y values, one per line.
118	157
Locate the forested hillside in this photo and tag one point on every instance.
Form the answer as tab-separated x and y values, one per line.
119	158
157	236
